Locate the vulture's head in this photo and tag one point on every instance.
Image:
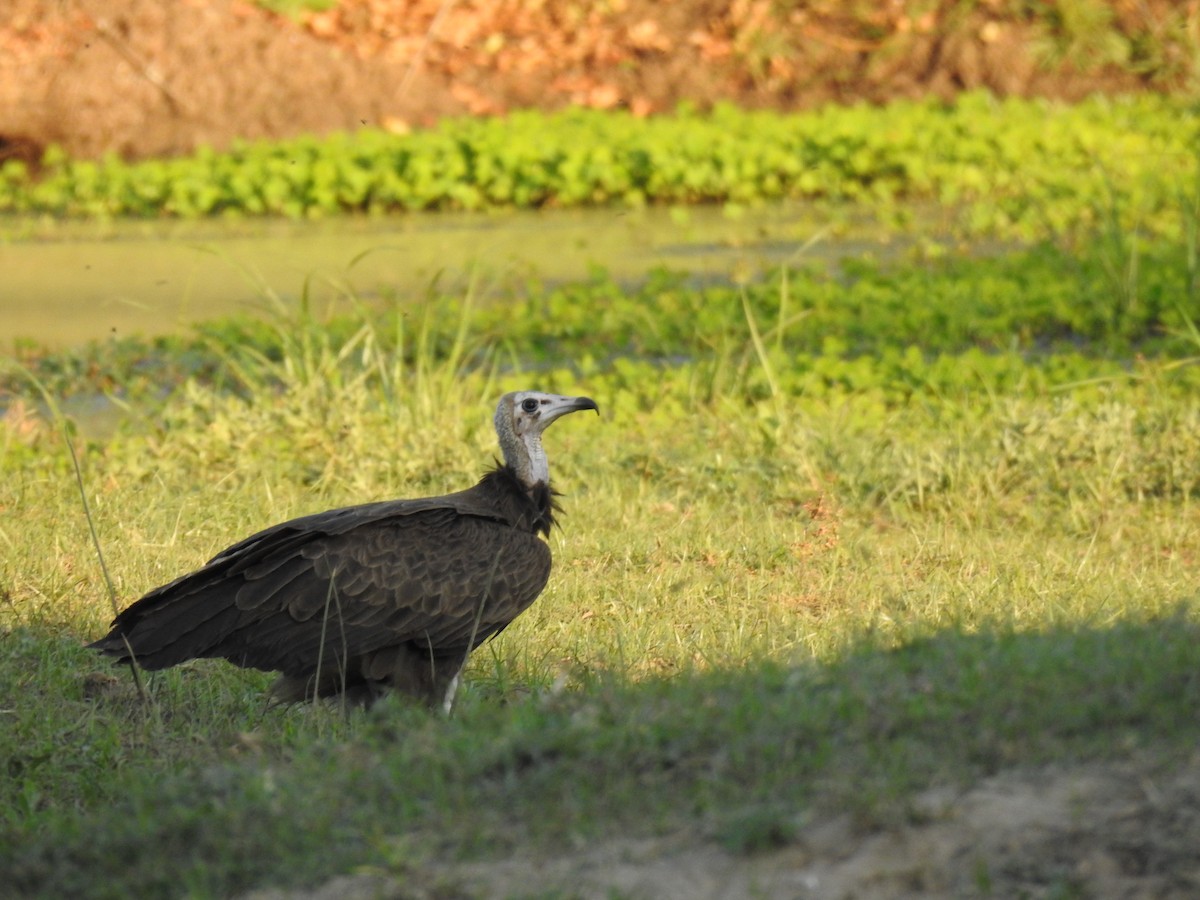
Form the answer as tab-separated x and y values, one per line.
521	417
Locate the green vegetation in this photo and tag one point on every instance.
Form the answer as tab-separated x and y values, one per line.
296	8
840	535
1011	167
744	754
797	572
865	326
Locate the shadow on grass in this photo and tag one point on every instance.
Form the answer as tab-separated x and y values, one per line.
736	755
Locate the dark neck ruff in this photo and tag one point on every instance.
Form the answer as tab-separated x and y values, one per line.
531	509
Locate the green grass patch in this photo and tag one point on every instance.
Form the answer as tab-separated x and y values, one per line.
295	8
1027	321
830	544
743	756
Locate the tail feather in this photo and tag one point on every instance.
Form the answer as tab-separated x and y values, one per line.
165	629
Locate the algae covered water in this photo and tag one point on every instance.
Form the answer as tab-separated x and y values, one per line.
67	284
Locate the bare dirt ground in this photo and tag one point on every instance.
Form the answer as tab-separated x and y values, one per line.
143	77
1109	831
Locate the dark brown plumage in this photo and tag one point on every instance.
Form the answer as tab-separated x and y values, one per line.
355	601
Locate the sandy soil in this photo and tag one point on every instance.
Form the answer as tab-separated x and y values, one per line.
143	77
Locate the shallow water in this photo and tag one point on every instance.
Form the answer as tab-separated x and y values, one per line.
63	284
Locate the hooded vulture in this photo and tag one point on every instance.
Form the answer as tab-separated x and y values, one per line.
390	595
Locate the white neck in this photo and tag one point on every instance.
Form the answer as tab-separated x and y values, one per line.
528	460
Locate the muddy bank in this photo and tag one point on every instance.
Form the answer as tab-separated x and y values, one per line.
143	78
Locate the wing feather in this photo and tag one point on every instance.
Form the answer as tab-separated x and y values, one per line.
411	580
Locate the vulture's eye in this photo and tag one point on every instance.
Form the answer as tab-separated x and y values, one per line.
529	405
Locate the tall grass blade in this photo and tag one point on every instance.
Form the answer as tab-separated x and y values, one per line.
64	426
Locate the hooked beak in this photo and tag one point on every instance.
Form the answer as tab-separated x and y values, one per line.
563	405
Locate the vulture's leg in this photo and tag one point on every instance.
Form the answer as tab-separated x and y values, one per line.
451	690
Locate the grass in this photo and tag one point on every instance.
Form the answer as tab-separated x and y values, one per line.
787	583
296	9
820	328
742	756
782	728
